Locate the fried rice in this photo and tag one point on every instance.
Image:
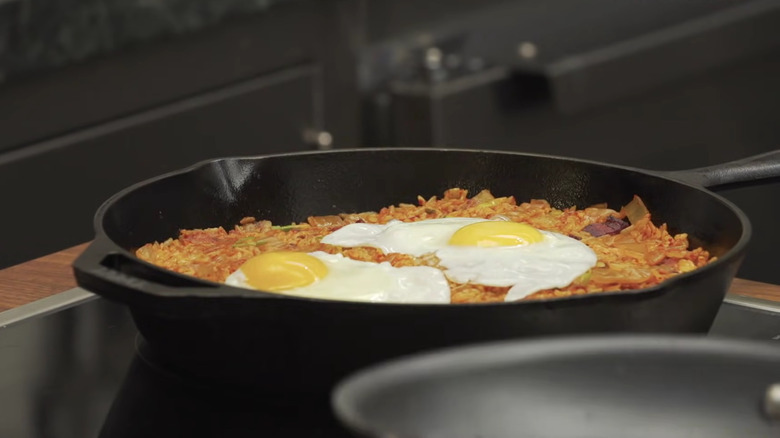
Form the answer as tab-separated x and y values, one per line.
639	256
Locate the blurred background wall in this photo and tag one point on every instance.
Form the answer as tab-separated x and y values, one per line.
97	95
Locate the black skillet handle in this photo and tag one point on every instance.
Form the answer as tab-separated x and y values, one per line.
749	170
104	270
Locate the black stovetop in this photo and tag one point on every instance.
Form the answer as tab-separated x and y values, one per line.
84	372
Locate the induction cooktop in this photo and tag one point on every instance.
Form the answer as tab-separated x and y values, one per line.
73	366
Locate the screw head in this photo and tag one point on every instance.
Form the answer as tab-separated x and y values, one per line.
322	140
527	50
433	58
772	401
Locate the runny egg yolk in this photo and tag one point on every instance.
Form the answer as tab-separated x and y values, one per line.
496	233
283	270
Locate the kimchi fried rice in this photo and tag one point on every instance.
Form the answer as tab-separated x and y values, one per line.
634	257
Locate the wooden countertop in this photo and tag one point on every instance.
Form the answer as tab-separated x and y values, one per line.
39	278
52	274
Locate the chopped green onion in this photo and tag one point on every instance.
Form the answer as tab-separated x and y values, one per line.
284	227
248	241
584	278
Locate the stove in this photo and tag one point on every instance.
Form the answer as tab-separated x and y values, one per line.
73	366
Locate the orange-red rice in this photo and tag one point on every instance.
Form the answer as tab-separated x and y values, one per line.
641	255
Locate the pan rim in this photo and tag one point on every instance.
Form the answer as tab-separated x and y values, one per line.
346	394
228	292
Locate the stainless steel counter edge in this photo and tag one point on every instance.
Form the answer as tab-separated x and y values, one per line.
77	296
54	303
753	303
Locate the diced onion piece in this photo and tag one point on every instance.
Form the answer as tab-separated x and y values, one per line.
629	275
639	247
685	265
325	221
655	257
635	210
483	196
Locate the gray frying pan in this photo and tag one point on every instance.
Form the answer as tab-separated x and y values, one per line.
599	387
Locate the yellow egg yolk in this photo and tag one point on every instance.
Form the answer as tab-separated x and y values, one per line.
282	270
496	233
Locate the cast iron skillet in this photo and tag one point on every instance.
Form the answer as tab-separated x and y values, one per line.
593	387
288	345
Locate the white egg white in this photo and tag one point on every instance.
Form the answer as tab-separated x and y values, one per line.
413	238
353	280
553	263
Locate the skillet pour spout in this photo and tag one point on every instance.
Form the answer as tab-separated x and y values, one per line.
289	345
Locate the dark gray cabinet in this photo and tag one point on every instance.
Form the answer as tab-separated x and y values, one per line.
49	197
668	85
255	85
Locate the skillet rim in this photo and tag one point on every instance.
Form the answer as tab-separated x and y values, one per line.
227	292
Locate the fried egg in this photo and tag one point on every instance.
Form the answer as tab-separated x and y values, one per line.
413	238
480	251
335	277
